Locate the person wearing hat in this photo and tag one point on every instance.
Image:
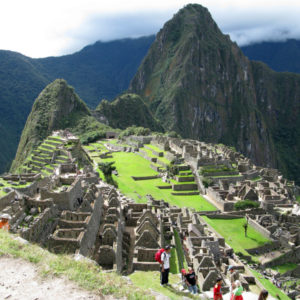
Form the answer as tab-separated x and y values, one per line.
4	223
165	266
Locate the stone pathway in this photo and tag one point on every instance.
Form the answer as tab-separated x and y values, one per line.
20	280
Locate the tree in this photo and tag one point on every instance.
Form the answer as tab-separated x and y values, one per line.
107	168
172	169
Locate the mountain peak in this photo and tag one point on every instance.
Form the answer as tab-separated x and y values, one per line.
56	107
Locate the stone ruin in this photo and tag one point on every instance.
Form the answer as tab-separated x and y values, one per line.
75	212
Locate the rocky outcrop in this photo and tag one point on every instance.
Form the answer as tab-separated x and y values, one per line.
126	110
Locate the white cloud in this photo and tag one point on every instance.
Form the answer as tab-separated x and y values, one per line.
42	27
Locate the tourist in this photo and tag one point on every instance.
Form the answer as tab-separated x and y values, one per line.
233	276
237	292
191	281
4	223
263	295
217	289
165	266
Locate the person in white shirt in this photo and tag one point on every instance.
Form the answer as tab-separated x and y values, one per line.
165	266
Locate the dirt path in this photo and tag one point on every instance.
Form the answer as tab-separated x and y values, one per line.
20	280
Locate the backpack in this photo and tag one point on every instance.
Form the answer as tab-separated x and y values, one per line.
158	255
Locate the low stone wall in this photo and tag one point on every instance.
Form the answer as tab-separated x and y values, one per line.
42	226
232	179
67	180
32	189
265	248
5	200
185	179
218	201
144	177
221	173
224	217
184	187
292	256
265	232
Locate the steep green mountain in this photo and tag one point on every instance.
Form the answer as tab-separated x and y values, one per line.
199	83
20	83
102	70
126	110
57	107
280	56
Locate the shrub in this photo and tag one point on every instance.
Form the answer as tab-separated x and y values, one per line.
242	205
207	182
172	169
134	130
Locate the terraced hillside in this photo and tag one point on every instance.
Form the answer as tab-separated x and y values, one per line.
138	175
54	151
47	156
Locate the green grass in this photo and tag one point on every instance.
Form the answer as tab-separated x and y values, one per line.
298	198
85	274
6	184
148	152
174	263
271	288
151	280
258	178
179	251
233	232
131	164
155	148
285	267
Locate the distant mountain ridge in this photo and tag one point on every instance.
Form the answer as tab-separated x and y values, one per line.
280	56
102	70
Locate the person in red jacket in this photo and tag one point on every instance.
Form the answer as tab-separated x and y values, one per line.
4	222
217	289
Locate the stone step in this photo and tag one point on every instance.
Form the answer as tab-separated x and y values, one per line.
50	147
53	138
54	143
43	160
37	163
45	151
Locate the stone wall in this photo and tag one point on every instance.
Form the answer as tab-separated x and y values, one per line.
42	226
65	200
32	189
265	232
265	248
292	256
5	200
92	228
184	187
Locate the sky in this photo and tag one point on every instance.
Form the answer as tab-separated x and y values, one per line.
41	28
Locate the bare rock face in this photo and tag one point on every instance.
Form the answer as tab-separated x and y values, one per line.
197	82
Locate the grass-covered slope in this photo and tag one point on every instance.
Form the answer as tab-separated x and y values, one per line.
197	82
20	84
127	110
57	107
85	274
